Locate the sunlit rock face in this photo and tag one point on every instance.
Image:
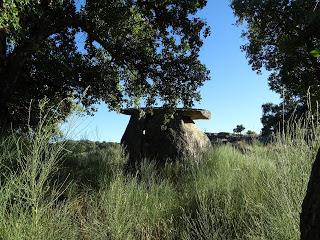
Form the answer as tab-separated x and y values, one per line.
148	136
310	213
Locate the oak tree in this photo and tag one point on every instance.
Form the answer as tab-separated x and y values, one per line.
135	50
283	38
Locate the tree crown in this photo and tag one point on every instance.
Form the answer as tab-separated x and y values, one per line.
135	53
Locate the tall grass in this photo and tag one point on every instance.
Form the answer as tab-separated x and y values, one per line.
257	195
50	190
28	194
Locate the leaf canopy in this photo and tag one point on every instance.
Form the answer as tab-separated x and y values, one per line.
136	52
282	37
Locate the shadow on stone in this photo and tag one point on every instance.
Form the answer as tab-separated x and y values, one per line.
146	137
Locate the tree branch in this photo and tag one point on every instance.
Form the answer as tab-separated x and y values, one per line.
16	60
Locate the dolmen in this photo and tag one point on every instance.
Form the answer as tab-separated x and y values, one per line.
158	134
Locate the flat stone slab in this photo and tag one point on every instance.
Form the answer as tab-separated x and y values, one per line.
193	113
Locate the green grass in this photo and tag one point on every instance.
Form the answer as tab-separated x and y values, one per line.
55	191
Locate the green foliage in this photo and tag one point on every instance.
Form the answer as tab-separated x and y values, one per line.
239	129
278	117
9	15
251	133
134	53
28	193
91	164
315	53
281	35
133	210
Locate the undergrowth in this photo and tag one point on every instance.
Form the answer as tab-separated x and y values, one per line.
53	190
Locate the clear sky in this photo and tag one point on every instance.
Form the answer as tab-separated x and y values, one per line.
234	94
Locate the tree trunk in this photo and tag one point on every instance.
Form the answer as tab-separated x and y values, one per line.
4	116
8	78
4	99
310	214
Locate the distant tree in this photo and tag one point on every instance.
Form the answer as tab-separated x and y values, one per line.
223	134
239	129
251	133
133	50
275	117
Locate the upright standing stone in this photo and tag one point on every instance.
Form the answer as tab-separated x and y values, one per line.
145	136
133	136
310	214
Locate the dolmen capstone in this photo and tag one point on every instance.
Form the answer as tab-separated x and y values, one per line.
149	134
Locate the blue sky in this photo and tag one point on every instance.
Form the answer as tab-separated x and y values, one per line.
234	94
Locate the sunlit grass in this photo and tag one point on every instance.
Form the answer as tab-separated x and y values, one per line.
51	190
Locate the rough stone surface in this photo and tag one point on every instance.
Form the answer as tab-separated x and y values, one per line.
192	113
132	137
310	214
145	137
